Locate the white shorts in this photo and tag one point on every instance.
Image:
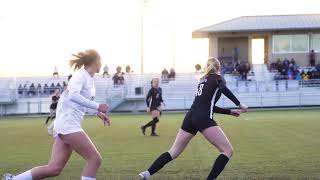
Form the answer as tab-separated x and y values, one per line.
66	131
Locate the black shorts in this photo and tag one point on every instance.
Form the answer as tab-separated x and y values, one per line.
53	106
152	108
196	121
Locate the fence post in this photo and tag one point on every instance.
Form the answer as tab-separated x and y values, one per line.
28	108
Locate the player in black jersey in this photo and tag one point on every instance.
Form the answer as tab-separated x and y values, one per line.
200	118
53	107
154	101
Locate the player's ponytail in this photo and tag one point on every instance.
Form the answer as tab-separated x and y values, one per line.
213	66
84	58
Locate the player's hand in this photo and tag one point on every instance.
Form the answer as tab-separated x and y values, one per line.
148	109
103	108
163	104
104	118
235	112
243	107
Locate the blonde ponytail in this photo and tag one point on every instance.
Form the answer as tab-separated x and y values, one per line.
212	67
84	58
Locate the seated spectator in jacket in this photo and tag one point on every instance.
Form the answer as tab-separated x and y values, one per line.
164	75
46	89
39	88
20	90
172	74
52	88
58	86
118	78
298	76
32	90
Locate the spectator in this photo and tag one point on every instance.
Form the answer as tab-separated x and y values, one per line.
128	69
118	78
20	90
52	88
293	62
304	76
164	76
58	87
46	89
32	90
172	74
197	67
312	58
286	64
298	76
55	72
105	71
39	89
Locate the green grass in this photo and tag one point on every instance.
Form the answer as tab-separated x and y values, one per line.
282	144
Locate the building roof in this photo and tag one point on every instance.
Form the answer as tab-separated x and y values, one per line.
266	23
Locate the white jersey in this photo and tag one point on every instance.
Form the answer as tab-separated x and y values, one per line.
74	102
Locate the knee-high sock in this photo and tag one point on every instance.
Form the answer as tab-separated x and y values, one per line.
162	160
218	166
148	124
154	124
23	176
48	118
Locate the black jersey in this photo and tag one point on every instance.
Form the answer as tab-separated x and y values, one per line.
154	97
209	92
54	102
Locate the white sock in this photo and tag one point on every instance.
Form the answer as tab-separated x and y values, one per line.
87	178
51	125
23	176
147	173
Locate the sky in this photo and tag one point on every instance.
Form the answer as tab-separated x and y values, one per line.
36	35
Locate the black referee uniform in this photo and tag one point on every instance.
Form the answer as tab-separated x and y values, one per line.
200	115
153	101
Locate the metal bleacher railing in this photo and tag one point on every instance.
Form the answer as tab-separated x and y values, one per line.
178	94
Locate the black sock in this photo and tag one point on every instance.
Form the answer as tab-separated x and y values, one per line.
148	124
154	124
218	166
48	118
162	160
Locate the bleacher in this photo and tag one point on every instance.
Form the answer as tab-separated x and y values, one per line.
260	91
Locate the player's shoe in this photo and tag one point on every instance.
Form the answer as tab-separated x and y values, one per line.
154	134
144	175
49	132
143	129
8	176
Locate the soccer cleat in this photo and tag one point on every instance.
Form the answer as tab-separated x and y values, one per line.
154	134
8	176
144	176
49	132
143	130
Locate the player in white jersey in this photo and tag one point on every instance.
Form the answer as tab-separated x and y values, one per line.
68	133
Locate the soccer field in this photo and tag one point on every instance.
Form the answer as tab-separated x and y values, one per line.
282	144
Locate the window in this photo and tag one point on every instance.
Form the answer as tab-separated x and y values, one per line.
316	42
290	43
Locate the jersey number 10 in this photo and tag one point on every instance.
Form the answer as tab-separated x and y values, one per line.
199	91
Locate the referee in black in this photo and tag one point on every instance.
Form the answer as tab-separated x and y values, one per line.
200	119
154	101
